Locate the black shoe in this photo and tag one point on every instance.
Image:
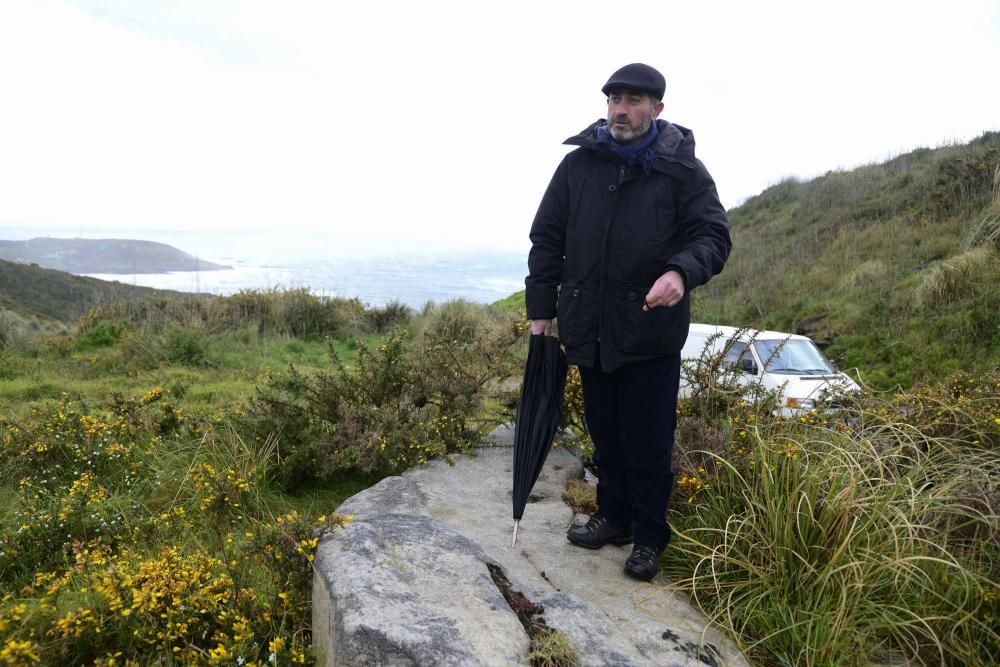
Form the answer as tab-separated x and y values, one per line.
599	532
644	562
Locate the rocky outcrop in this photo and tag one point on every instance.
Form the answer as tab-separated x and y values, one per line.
408	581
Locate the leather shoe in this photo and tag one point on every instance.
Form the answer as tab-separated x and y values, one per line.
643	563
598	532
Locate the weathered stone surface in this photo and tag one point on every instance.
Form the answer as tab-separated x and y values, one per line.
406	583
404	589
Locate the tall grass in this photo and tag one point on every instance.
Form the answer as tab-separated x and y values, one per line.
841	546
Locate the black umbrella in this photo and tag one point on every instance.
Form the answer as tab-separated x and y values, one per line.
538	412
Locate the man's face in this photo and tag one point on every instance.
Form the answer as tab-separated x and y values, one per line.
630	114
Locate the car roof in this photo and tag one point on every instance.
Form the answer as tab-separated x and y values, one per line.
747	333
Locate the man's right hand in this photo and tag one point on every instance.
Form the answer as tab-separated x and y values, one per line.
541	327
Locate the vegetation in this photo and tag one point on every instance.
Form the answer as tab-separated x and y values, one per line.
156	510
399	405
845	537
579	495
169	462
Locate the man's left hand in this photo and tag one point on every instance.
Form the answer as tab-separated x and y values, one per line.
668	290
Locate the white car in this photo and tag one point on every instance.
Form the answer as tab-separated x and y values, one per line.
775	360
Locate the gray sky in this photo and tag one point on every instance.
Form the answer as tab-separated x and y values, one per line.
402	124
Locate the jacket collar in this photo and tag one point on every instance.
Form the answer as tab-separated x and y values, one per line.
674	145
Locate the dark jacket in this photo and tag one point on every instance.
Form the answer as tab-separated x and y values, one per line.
604	233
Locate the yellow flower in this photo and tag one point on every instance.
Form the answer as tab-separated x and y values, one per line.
218	654
16	652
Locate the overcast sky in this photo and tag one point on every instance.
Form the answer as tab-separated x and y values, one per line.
403	123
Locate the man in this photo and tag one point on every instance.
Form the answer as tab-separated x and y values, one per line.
629	225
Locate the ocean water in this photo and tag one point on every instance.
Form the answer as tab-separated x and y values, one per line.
481	277
326	265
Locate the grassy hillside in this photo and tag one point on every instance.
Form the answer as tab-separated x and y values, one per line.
123	256
34	292
892	268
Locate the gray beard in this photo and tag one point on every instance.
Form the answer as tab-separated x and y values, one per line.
629	135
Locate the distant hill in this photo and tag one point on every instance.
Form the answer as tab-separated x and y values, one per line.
893	268
56	295
122	256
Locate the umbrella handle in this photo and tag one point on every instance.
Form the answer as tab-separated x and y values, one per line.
513	540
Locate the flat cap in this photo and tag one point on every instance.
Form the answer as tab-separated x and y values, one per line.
639	77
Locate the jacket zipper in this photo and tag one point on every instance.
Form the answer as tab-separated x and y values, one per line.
604	249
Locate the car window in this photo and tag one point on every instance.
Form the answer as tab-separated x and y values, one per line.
735	353
794	355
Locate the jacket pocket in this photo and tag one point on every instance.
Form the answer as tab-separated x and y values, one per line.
576	313
655	331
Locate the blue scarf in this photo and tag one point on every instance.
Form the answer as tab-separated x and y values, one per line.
639	151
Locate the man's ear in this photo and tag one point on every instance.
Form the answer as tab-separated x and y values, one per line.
657	109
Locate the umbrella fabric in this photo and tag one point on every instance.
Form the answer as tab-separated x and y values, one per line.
538	413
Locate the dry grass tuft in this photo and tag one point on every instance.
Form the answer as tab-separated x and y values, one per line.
956	278
582	497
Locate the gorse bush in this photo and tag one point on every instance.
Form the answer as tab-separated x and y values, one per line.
129	542
399	404
574	419
716	387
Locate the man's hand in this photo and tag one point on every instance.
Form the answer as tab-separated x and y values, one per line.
541	327
668	290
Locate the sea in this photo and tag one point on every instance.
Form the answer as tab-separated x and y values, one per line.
326	265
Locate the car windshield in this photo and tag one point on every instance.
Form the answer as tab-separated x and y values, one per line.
792	356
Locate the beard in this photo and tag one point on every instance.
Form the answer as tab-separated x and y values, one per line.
632	131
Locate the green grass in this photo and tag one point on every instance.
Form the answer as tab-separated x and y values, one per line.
514	303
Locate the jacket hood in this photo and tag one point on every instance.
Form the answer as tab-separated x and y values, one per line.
675	142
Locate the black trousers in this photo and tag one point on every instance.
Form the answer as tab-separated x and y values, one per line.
631	414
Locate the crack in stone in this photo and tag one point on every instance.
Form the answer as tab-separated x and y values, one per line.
531	615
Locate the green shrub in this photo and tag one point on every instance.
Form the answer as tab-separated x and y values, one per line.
391	315
12	329
103	333
399	404
186	347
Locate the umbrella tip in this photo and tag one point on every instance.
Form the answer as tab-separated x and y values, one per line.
513	540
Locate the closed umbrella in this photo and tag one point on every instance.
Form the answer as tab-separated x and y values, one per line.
538	413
